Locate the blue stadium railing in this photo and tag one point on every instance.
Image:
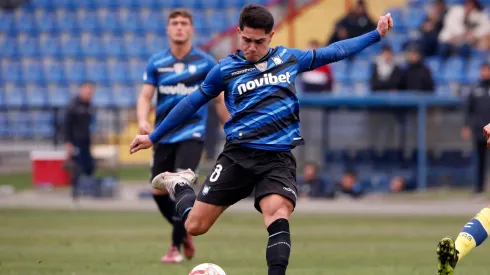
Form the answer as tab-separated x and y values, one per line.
391	102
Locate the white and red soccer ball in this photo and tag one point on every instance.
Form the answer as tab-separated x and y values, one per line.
207	269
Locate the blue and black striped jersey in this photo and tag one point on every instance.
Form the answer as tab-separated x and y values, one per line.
175	79
261	97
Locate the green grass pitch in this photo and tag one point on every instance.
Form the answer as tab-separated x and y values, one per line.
48	242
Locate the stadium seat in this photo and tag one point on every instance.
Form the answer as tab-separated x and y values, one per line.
130	21
414	17
443	89
25	23
362	71
435	66
33	71
155	44
2	96
114	46
65	4
344	89
125	96
454	70
28	46
97	71
46	22
43	4
8	46
398	42
136	46
214	4
21	122
43	121
136	70
67	22
118	72
93	46
59	96
15	96
340	70
88	22
12	71
473	71
4	126
50	46
109	21
8	22
71	47
152	22
103	97
36	96
74	71
53	72
237	4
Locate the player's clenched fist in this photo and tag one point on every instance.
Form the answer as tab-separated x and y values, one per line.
385	24
486	132
140	142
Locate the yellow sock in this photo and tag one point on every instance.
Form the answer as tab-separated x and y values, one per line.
473	233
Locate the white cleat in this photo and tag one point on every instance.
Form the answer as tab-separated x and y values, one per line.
168	180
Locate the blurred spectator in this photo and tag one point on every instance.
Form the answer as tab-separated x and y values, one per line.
416	76
465	26
355	23
432	26
78	119
477	114
350	185
386	74
397	184
311	185
319	79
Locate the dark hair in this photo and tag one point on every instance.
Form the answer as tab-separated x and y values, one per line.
256	17
180	12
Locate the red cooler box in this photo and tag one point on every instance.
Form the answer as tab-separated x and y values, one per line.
47	168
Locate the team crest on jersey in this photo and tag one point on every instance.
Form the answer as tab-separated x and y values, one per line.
179	67
277	60
261	66
192	69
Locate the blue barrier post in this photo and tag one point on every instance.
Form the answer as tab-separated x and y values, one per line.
422	147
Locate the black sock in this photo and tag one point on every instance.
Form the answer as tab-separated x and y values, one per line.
184	198
166	206
178	233
278	247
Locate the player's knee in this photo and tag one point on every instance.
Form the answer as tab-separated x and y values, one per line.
275	207
195	227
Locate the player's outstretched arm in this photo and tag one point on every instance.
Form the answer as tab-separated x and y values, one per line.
219	103
183	111
345	48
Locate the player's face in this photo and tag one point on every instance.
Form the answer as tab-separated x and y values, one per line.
180	30
485	73
254	43
86	92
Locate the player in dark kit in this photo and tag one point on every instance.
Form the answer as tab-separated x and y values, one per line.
175	73
258	83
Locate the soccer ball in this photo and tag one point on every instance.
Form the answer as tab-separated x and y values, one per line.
207	269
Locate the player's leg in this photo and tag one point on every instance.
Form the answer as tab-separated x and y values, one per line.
163	160
223	187
473	234
187	156
276	198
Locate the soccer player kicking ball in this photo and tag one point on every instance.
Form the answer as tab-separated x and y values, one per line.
474	233
176	72
258	83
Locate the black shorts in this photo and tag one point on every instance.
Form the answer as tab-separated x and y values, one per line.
239	170
173	157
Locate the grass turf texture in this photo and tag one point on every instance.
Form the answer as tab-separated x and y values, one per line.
83	242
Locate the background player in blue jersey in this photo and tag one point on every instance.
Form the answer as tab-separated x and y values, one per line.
264	126
175	73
